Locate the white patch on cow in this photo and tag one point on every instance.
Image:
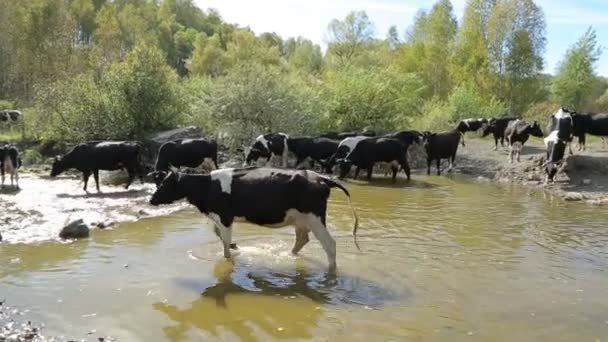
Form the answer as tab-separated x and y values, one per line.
108	143
263	141
560	114
224	176
552	137
467	122
352	142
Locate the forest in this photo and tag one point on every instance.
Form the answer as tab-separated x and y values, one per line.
98	69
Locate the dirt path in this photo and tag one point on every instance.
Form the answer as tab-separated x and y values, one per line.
585	177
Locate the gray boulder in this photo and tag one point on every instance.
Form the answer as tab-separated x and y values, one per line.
75	230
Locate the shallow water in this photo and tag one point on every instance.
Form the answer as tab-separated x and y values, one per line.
442	259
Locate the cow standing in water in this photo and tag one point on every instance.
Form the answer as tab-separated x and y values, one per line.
517	133
264	196
107	155
376	150
10	163
560	128
439	146
266	146
188	153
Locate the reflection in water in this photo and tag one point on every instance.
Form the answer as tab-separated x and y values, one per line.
246	302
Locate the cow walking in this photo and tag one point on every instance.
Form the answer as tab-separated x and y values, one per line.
96	155
188	153
439	146
517	133
264	196
497	128
10	163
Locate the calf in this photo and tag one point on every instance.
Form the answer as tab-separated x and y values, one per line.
108	155
561	128
316	149
10	163
439	146
589	123
470	125
497	128
373	150
189	153
266	146
517	133
264	196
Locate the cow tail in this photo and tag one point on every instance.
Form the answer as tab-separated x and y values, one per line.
333	184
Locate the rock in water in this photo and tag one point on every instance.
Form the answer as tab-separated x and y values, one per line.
573	196
75	230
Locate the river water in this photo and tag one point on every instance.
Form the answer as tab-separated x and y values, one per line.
442	259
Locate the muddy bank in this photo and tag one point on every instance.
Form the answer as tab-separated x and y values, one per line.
584	178
44	205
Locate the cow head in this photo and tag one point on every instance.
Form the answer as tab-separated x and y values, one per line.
255	153
488	128
535	130
427	136
58	166
3	116
345	166
169	190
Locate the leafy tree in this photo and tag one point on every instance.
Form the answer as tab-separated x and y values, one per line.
347	38
576	72
208	57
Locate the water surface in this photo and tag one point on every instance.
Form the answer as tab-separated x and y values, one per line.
443	259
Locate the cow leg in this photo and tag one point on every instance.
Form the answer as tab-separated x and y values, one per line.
16	178
131	173
96	177
301	239
217	232
85	177
225	234
357	170
495	143
438	166
315	224
406	168
370	171
395	169
511	154
2	172
428	167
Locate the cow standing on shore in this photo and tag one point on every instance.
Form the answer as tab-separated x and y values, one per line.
497	128
10	163
589	123
188	153
267	197
470	125
102	155
517	133
561	128
439	146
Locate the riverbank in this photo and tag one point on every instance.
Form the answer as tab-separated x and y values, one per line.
584	178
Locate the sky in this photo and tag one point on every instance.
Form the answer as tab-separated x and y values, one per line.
566	20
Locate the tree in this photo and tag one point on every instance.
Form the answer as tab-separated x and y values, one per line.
393	37
346	38
208	57
576	72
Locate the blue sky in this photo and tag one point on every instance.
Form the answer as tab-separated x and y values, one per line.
566	20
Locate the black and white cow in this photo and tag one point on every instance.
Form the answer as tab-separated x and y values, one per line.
439	146
9	115
589	123
497	128
315	149
406	137
102	155
376	150
266	146
344	148
344	135
561	129
470	125
10	163
188	153
517	133
264	196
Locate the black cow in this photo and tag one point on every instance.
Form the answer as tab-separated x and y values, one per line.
266	146
470	125
264	196
406	137
188	153
373	150
561	128
93	156
517	133
439	146
344	135
589	123
10	163
497	128
344	148
317	149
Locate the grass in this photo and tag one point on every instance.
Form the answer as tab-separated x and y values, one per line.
10	135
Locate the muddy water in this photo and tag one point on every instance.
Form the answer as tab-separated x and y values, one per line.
443	259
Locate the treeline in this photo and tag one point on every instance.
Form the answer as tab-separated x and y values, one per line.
98	69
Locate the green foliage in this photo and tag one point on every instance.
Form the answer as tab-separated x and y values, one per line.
576	72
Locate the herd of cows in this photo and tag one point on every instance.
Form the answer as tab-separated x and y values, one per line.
277	197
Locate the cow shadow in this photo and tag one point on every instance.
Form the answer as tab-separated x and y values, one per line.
133	193
387	182
246	301
9	190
